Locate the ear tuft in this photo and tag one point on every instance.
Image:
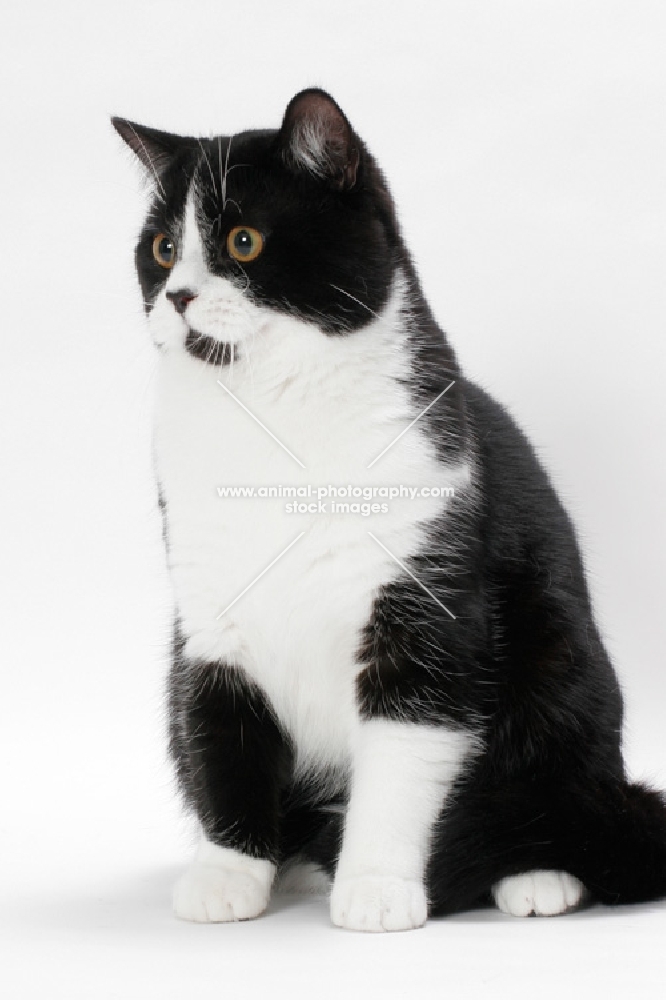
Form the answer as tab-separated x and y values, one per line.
317	138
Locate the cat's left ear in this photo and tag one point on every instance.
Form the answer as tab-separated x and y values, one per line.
315	137
154	148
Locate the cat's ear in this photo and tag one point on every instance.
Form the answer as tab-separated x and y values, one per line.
154	148
315	137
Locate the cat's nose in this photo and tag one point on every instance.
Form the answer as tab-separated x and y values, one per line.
181	299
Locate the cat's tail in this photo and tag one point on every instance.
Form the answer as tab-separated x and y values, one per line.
619	848
611	836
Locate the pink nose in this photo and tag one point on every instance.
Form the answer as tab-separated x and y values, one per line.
180	299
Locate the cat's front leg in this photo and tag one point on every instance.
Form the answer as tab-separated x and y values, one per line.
232	760
402	774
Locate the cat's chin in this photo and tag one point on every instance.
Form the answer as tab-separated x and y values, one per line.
209	350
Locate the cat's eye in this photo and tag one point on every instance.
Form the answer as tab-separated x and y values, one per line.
164	250
244	244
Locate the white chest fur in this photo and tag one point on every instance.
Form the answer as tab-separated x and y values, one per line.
335	403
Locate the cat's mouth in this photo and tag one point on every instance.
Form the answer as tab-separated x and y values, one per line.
210	350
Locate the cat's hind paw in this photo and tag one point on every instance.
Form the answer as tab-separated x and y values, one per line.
378	903
538	893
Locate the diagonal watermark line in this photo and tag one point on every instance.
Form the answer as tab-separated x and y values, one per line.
263	426
250	585
421	414
358	301
414	578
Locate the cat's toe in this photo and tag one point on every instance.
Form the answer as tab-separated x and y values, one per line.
209	894
378	903
538	893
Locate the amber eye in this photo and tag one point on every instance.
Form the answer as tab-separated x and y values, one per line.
164	250
244	244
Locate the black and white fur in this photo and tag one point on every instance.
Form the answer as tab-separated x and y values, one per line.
425	749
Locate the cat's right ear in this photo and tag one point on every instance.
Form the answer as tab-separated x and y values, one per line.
155	149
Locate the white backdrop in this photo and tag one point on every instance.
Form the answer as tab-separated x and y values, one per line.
525	143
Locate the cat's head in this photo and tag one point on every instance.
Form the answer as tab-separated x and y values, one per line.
295	221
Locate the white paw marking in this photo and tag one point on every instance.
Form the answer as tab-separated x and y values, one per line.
209	894
541	893
378	903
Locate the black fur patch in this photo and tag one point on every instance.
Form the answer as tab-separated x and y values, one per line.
232	758
212	351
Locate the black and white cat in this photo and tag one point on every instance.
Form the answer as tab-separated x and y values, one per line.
411	695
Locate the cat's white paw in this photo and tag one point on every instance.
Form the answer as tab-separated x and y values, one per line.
538	893
378	903
208	894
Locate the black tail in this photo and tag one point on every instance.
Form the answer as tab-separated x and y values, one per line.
612	837
626	858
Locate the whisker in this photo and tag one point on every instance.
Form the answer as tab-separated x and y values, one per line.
226	171
210	169
245	274
235	166
219	156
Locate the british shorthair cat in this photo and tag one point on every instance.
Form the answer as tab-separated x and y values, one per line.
386	670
